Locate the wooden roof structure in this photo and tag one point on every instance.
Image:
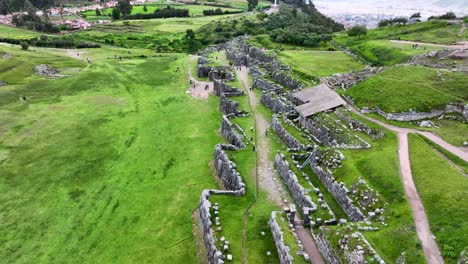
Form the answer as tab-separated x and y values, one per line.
317	99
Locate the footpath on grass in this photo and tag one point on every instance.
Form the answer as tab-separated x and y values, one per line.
265	172
430	248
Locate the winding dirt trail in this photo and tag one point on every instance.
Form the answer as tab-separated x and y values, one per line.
265	172
430	248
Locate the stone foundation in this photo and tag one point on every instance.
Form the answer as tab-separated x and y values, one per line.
325	248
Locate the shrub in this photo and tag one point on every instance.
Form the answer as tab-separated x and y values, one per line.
24	45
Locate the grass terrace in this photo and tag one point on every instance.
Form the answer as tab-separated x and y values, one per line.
443	192
402	88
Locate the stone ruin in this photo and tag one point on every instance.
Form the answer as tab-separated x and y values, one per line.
337	190
275	103
230	134
295	188
349	79
356	125
214	255
283	250
227	106
458	108
227	170
287	138
46	70
221	87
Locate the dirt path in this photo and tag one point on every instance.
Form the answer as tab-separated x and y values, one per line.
460	45
266	174
431	251
198	89
459	152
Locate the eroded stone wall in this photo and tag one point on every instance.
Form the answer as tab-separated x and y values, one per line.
230	134
227	106
283	250
214	255
273	102
290	178
221	87
287	138
227	170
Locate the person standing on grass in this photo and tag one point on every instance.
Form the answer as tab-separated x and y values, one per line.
253	148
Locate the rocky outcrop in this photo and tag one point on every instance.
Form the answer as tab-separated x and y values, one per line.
287	138
227	171
221	87
228	132
277	233
46	70
296	190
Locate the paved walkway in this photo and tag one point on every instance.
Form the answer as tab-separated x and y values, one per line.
431	251
266	174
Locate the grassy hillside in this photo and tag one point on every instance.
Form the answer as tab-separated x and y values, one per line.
89	171
443	192
402	88
376	49
319	63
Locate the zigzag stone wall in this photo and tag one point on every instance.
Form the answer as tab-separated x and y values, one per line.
339	192
286	80
227	171
227	106
221	87
266	85
272	101
290	178
228	132
214	255
283	250
287	138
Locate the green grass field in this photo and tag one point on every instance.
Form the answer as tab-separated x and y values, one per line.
92	168
376	48
194	10
319	63
379	167
17	33
402	88
443	192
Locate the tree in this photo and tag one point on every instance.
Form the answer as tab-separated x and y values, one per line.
416	15
145	9
190	34
252	4
357	31
24	45
115	14
124	7
384	23
98	12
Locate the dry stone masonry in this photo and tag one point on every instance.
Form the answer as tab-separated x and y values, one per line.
214	255
227	130
227	170
287	138
283	250
413	115
296	190
221	87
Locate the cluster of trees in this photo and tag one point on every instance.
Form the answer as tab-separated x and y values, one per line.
218	11
357	31
289	25
123	8
50	42
10	6
161	13
448	15
394	21
33	22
